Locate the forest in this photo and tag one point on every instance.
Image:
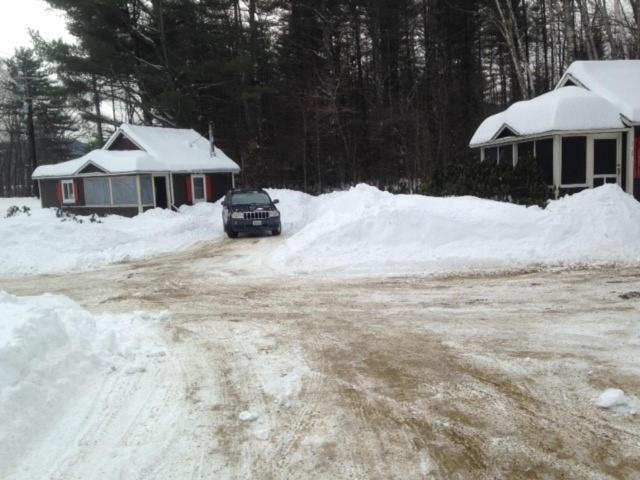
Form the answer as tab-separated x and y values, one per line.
305	94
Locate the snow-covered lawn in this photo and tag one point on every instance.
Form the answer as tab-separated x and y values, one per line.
359	231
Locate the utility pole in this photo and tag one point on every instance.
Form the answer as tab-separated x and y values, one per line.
31	136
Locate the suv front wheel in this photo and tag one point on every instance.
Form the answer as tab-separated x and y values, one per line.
231	233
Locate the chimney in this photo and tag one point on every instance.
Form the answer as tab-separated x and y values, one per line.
212	143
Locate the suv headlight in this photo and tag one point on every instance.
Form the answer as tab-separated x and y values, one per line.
274	213
237	215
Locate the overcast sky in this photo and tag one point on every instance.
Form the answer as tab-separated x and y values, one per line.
17	16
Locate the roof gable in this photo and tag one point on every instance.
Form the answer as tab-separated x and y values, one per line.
615	80
91	167
505	132
120	141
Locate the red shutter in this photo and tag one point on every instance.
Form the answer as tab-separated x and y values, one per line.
637	169
209	188
77	191
189	191
59	192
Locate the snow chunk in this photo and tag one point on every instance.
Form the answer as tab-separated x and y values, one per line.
612	397
248	416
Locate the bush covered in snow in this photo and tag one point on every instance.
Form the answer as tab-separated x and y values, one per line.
523	184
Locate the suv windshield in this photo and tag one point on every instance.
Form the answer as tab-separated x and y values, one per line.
250	198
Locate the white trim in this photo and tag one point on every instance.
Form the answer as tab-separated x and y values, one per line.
590	140
139	188
631	144
171	200
552	133
72	198
136	172
557	164
193	188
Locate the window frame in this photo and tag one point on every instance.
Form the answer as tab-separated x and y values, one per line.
195	200
72	198
588	162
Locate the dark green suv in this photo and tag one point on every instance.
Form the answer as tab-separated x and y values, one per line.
250	211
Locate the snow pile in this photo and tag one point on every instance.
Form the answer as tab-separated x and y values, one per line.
364	230
53	354
42	243
615	400
359	231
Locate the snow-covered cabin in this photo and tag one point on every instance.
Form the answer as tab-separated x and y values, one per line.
137	169
583	134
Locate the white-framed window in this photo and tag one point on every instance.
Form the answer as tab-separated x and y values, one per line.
198	188
68	192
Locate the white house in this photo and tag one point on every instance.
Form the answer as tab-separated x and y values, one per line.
583	134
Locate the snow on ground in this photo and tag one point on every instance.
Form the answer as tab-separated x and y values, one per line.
42	243
368	231
54	359
359	231
5	203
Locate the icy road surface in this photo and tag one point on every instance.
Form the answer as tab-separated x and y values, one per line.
403	377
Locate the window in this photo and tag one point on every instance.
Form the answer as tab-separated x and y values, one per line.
544	158
574	160
97	192
124	191
68	192
491	155
604	156
250	198
199	194
505	155
146	184
525	152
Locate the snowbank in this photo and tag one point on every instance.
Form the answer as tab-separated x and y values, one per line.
359	231
42	243
54	354
366	231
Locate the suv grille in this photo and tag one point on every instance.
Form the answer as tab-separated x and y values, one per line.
256	215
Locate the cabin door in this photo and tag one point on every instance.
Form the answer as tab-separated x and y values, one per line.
160	188
607	165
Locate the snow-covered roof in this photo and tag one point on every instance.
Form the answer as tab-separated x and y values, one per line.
616	80
125	161
161	150
565	109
